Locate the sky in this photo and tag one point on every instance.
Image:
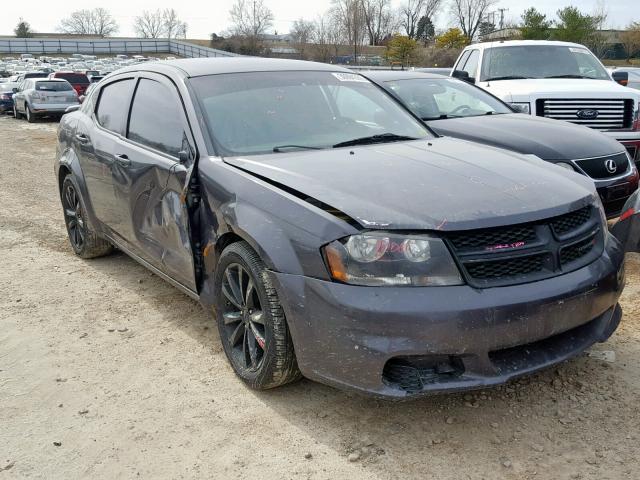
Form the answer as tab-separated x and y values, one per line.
204	18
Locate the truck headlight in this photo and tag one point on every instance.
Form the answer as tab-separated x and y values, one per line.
390	259
521	107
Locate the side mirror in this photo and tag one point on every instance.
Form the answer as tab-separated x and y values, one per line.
14	90
621	77
183	156
462	75
72	108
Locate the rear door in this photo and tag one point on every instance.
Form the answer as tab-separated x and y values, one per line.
95	142
149	179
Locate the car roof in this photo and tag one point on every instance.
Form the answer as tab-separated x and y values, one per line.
518	43
197	67
38	80
390	75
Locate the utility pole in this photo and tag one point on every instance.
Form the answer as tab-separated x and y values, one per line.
502	10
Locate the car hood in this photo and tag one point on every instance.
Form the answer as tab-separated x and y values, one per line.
548	139
440	184
527	89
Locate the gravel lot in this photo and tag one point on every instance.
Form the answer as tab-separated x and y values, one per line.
106	371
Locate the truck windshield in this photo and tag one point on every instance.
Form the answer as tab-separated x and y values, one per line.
264	112
541	61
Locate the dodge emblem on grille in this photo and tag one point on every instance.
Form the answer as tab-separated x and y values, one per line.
610	165
587	114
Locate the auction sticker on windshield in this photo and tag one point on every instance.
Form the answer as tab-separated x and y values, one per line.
349	77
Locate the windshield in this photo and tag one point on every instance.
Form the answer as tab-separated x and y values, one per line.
54	86
433	99
541	61
260	112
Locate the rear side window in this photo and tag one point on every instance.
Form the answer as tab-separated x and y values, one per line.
155	118
113	105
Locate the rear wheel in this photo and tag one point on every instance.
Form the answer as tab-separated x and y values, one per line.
30	116
84	241
251	322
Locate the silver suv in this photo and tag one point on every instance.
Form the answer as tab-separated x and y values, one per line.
43	97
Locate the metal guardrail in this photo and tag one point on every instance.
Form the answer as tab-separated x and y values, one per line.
107	46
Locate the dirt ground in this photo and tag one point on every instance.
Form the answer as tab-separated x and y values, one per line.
106	371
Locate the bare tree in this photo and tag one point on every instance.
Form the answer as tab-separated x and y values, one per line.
321	37
149	24
97	21
379	19
301	34
469	14
250	18
413	10
173	26
349	15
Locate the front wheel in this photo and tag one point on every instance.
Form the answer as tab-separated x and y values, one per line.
84	241
251	322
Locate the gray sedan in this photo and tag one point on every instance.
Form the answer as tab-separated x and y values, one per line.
43	97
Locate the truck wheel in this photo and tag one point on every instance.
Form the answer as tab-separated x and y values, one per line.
251	322
84	241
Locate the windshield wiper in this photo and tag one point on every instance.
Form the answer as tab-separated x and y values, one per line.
380	138
281	148
506	77
444	116
570	75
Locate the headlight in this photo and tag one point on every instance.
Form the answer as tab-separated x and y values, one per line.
566	165
382	258
521	107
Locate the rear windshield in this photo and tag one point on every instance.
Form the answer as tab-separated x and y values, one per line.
53	86
73	77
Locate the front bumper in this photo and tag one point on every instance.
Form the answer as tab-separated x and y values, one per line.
402	342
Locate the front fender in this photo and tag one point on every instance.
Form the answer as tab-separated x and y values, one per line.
627	228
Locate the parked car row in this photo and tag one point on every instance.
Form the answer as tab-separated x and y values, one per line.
336	235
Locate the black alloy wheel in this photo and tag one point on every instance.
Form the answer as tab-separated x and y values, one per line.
73	215
243	318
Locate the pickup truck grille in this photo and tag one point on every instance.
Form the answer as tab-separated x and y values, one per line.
601	114
528	252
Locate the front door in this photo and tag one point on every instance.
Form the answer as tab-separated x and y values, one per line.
149	180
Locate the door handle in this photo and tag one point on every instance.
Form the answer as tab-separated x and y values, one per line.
123	160
82	138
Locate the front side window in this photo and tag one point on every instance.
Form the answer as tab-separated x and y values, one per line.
471	65
113	105
156	118
433	99
541	61
254	113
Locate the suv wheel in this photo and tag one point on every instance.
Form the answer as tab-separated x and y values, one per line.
30	116
251	322
84	241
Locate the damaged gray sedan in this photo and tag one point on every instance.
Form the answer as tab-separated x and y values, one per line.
331	233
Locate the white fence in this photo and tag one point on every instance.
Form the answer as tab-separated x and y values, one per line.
107	46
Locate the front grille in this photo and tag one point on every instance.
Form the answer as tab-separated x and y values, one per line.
612	114
528	252
578	250
492	237
632	149
509	267
605	167
570	221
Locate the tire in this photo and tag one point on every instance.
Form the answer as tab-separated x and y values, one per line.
253	317
16	115
83	239
31	118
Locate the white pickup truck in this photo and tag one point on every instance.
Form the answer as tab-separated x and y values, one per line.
559	80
